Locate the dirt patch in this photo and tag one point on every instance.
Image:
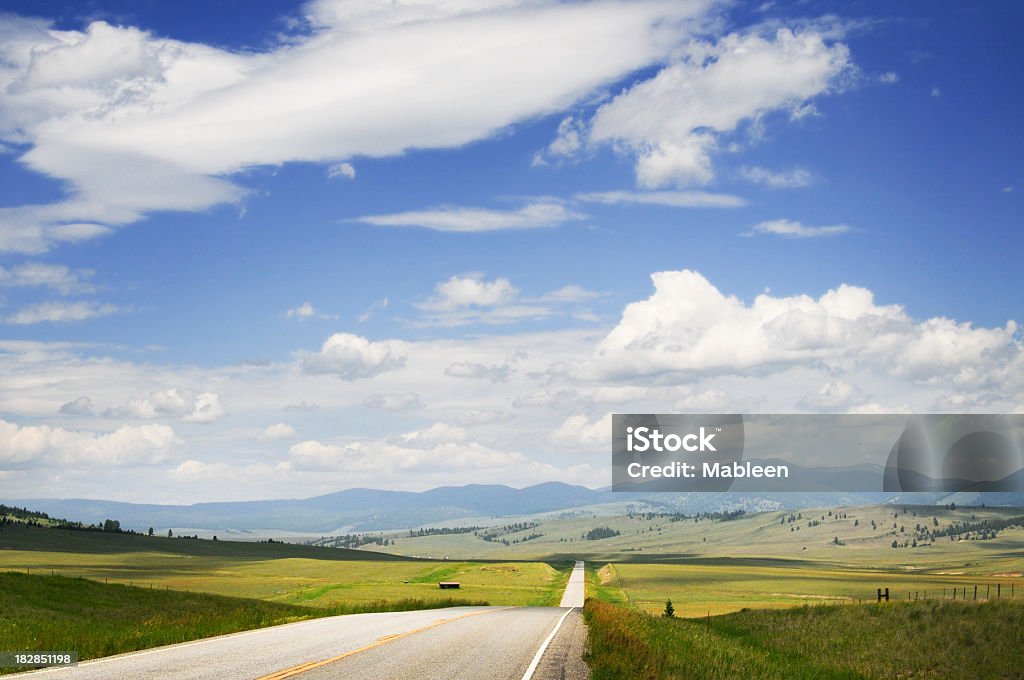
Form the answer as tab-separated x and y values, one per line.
810	597
606	574
1008	574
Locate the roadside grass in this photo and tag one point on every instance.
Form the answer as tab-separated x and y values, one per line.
922	639
603	584
58	613
272	572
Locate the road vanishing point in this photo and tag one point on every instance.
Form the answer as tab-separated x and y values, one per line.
513	643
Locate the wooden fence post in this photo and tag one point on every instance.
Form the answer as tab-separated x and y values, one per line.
975	592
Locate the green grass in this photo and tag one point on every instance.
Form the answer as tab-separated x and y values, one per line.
924	639
58	613
317	577
717	586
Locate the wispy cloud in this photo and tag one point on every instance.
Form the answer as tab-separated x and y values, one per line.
464	219
60	312
54	276
673	199
794	229
788	179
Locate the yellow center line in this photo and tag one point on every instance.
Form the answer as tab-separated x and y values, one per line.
310	665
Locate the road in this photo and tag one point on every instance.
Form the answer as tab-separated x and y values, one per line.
514	643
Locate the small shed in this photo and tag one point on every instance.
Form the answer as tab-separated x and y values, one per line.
444	585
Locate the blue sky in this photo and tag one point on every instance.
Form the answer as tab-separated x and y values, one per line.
211	217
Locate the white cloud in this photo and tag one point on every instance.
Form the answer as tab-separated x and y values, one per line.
462	219
936	92
833	396
80	406
570	293
578	431
40	445
673	199
438	433
473	371
889	78
276	432
54	276
470	291
303	311
397	401
352	357
188	405
672	122
60	312
134	123
376	306
470	299
689	327
794	229
341	170
789	179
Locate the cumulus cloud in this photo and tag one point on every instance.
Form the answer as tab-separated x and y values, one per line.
672	122
579	432
37	445
80	406
187	405
457	218
469	299
788	179
60	312
351	357
341	170
438	433
794	229
276	432
134	123
688	326
469	291
395	401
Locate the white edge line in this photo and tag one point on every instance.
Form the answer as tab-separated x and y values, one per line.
544	645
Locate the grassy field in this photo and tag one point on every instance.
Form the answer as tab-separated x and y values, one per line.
71	614
647	538
773	559
286	574
899	640
717	586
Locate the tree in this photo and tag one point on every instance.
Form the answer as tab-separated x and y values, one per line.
670	611
150	532
170	534
111	525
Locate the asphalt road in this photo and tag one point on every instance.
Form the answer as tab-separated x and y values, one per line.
518	643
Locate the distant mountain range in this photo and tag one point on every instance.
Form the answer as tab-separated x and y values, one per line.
356	510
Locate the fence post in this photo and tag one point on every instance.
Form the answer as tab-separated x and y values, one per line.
975	592
988	591
886	594
999	587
